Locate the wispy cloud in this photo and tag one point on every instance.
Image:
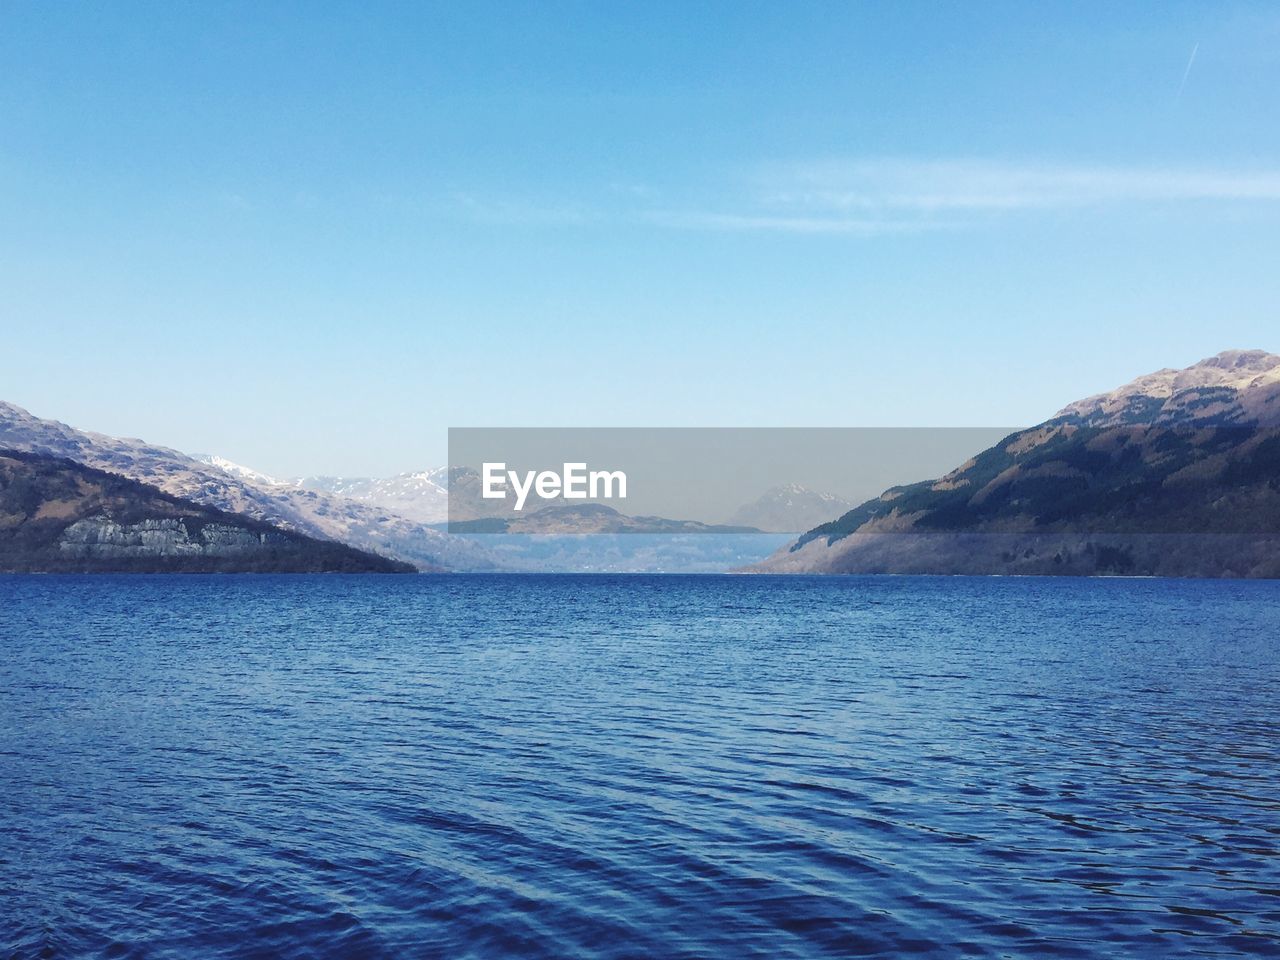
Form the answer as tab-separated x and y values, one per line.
879	197
882	196
980	185
746	222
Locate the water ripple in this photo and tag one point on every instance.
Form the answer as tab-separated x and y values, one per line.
638	767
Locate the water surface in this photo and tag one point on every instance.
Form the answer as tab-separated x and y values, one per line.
638	767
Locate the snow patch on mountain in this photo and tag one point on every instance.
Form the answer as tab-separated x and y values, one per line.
238	470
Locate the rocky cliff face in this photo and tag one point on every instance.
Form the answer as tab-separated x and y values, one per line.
60	516
101	537
1174	474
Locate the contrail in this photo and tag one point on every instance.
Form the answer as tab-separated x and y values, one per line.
1187	72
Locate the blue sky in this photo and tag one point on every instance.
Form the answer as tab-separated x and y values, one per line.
311	237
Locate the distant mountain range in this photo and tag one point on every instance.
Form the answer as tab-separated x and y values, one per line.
58	516
1174	474
425	496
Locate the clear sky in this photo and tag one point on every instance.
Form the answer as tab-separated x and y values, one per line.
310	237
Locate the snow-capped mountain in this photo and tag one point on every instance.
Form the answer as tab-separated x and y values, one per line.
422	496
790	508
435	496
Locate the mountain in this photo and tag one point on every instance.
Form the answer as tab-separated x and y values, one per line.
790	509
1174	474
240	491
58	516
422	496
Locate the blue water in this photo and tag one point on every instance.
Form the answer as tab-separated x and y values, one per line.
638	767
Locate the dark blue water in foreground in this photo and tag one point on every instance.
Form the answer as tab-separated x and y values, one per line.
638	767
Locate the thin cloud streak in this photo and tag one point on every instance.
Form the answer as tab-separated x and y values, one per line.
1186	73
879	197
754	223
882	197
923	187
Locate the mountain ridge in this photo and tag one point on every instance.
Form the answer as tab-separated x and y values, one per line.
1255	372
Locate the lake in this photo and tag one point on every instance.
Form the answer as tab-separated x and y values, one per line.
645	766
